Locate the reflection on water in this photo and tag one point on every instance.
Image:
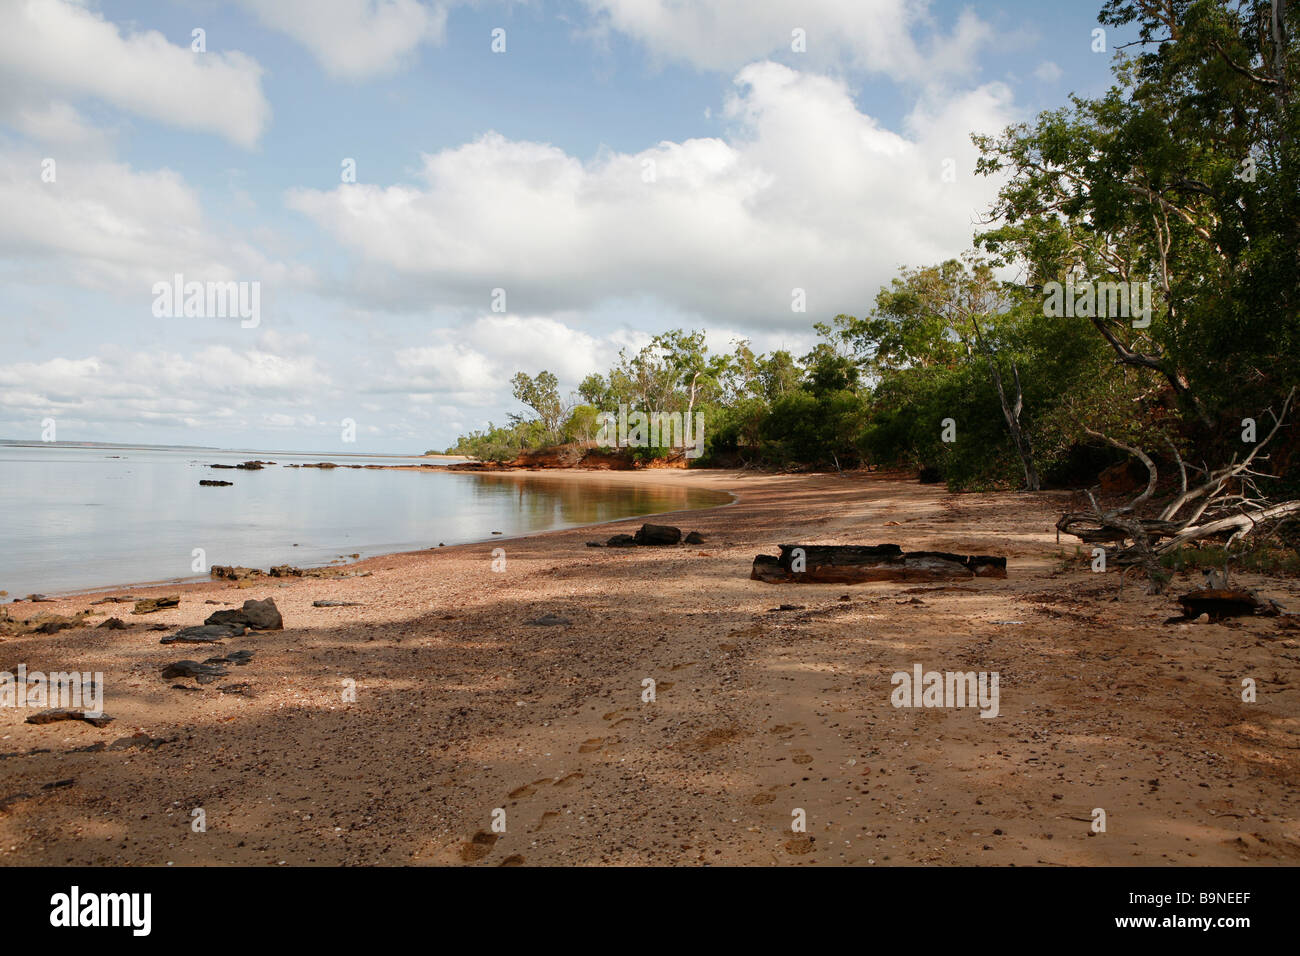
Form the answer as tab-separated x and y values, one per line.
81	518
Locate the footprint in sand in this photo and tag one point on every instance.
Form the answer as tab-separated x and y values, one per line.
479	846
519	792
802	758
547	817
569	779
596	743
515	860
762	799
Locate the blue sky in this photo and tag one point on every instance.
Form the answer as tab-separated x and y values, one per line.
622	168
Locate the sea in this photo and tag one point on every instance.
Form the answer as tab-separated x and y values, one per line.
77	517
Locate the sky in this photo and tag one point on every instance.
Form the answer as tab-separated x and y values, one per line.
417	198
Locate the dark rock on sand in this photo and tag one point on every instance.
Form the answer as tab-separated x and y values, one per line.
336	604
150	605
549	620
202	673
141	741
694	538
205	634
262	615
113	624
234	657
621	541
68	713
658	534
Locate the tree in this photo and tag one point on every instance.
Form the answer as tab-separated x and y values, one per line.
542	395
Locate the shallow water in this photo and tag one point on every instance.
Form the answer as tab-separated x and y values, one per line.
80	518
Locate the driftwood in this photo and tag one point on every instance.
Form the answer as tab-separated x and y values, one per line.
1227	505
851	564
1219	603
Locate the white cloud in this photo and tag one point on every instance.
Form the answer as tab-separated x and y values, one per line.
355	38
875	35
104	225
1048	72
51	49
214	386
806	192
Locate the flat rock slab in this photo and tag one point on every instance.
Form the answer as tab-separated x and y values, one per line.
234	657
853	564
68	713
262	615
202	673
549	620
205	634
150	605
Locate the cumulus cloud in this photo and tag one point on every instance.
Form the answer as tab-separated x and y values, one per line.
355	38
215	386
876	35
55	49
805	192
104	225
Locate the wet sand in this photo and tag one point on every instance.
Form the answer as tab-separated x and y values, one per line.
463	709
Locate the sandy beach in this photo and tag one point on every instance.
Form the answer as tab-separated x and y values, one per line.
462	708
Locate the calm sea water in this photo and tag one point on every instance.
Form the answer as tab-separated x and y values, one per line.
81	518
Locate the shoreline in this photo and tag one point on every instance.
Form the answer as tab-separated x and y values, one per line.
191	580
522	691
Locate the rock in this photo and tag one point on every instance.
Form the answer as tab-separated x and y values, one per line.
262	615
121	599
658	534
113	624
202	673
214	484
549	620
337	604
242	689
227	572
137	741
621	541
54	624
68	713
694	538
151	605
205	634
595	544
234	657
